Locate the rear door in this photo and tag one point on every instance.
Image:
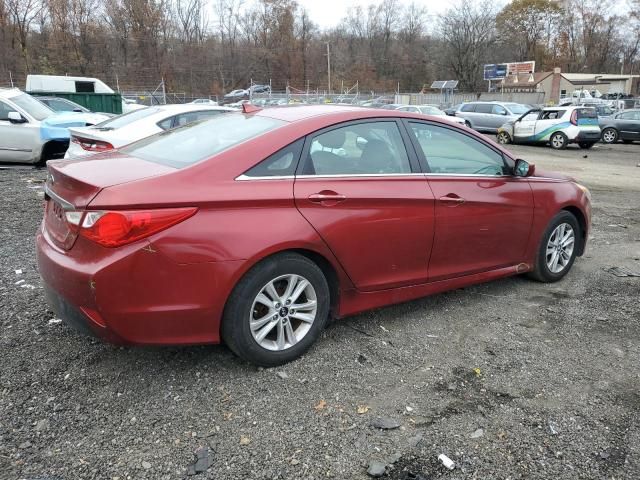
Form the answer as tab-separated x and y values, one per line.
550	121
360	188
483	213
484	117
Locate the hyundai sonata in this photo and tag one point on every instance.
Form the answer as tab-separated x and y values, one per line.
254	228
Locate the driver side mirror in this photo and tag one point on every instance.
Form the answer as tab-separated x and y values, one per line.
523	168
15	117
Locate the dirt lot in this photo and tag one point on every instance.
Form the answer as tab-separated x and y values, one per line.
512	379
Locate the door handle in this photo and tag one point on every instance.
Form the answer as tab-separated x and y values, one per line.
452	200
326	196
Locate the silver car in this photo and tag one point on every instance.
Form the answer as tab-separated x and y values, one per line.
30	132
489	116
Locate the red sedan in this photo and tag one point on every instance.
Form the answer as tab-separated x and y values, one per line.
254	228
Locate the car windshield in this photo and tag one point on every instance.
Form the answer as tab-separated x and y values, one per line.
127	118
431	111
197	141
33	107
517	109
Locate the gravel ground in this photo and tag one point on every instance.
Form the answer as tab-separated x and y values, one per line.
512	379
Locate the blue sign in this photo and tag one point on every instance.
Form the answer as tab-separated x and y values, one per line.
495	71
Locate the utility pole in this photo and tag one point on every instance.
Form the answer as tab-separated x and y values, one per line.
329	68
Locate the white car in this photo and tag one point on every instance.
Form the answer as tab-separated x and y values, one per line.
557	126
31	132
136	125
204	101
430	110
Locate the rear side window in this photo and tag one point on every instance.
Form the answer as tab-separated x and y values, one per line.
184	146
551	114
484	108
629	116
127	118
358	149
587	113
280	164
468	107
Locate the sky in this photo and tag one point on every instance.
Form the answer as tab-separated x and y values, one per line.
328	13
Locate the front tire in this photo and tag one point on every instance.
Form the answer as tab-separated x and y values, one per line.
277	310
503	138
609	135
559	141
558	248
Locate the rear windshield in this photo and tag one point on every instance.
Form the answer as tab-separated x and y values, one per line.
587	113
127	118
197	141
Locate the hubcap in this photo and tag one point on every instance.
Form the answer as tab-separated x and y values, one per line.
283	312
558	141
609	136
502	138
560	247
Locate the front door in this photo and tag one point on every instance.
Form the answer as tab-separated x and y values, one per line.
524	128
483	213
358	186
17	140
628	124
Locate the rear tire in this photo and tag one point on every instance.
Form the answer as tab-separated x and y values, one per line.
246	318
586	145
558	141
609	135
467	124
554	258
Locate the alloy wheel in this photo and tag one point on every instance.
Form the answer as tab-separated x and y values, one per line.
557	141
283	312
609	136
560	248
503	138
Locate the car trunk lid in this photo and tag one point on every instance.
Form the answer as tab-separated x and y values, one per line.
71	185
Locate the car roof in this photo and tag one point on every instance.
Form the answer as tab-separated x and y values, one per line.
187	107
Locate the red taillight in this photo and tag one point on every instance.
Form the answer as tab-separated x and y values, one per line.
574	117
91	145
116	228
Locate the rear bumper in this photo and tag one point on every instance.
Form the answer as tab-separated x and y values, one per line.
588	137
134	294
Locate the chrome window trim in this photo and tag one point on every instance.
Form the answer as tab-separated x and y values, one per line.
245	178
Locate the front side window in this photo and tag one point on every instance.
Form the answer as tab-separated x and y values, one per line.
358	149
4	111
468	107
499	110
517	109
451	152
184	146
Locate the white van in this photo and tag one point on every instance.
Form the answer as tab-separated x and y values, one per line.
64	84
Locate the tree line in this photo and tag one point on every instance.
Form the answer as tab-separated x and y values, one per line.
210	47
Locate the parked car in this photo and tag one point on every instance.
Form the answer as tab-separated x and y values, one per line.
451	111
489	116
204	101
430	110
602	109
235	95
133	126
557	126
59	104
623	126
248	229
259	89
30	132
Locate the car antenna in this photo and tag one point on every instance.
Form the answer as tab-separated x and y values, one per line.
249	108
